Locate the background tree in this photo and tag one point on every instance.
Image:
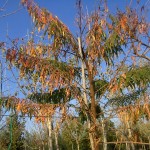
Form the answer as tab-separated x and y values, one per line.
36	138
75	132
12	134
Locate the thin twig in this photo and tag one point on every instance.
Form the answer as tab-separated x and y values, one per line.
5	15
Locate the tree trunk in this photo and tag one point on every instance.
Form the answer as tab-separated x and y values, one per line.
85	97
130	135
93	110
104	136
91	136
72	146
78	146
127	146
56	140
49	126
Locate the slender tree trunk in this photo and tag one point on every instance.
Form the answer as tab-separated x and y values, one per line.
92	120
127	146
56	140
104	136
93	110
91	136
92	95
78	146
85	97
130	135
49	126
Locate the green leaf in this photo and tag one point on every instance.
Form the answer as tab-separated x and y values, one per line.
126	99
100	87
138	77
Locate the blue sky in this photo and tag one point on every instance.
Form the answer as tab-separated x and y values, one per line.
17	24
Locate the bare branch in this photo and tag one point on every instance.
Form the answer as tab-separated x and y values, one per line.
11	13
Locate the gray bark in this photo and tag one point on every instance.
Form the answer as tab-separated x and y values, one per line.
49	126
56	140
104	136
